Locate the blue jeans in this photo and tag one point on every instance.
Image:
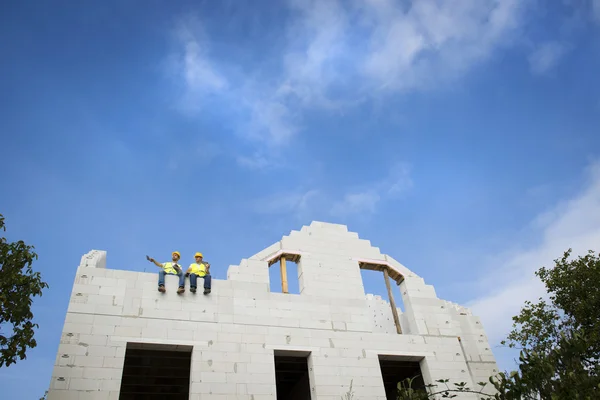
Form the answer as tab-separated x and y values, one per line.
161	277
194	280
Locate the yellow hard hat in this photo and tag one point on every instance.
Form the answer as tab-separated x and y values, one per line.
176	252
198	254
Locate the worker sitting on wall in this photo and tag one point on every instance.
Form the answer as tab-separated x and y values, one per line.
169	268
199	269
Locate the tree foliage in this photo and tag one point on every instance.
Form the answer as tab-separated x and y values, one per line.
18	285
440	390
559	338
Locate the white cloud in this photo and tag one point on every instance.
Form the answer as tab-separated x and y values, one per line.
388	45
546	56
296	203
510	281
398	180
256	161
432	41
199	73
207	151
596	10
365	201
336	55
317	39
192	65
272	122
356	204
361	200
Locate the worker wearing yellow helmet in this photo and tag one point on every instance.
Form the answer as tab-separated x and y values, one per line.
169	268
199	269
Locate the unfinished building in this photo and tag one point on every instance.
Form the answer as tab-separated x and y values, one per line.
122	339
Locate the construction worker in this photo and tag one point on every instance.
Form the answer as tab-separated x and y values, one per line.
169	268
199	269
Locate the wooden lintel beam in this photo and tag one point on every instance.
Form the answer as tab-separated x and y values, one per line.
289	255
373	266
386	275
284	282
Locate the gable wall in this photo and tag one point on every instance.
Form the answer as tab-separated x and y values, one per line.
235	330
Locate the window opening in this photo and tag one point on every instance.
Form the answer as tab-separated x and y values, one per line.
291	376
153	372
284	273
391	280
395	369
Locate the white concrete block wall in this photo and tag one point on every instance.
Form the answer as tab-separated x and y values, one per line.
475	346
381	317
236	329
95	259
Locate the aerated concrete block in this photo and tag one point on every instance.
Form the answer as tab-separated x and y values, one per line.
236	330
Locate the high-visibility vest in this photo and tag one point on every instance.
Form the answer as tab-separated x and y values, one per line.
198	269
169	268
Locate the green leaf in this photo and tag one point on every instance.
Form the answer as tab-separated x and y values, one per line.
559	335
18	285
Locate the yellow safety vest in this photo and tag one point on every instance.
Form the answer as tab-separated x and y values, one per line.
198	269
169	268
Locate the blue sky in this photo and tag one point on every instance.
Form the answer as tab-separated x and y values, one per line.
460	137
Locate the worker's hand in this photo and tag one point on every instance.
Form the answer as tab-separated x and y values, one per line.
149	258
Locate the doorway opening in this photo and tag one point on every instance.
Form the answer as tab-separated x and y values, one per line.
155	371
291	375
395	369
